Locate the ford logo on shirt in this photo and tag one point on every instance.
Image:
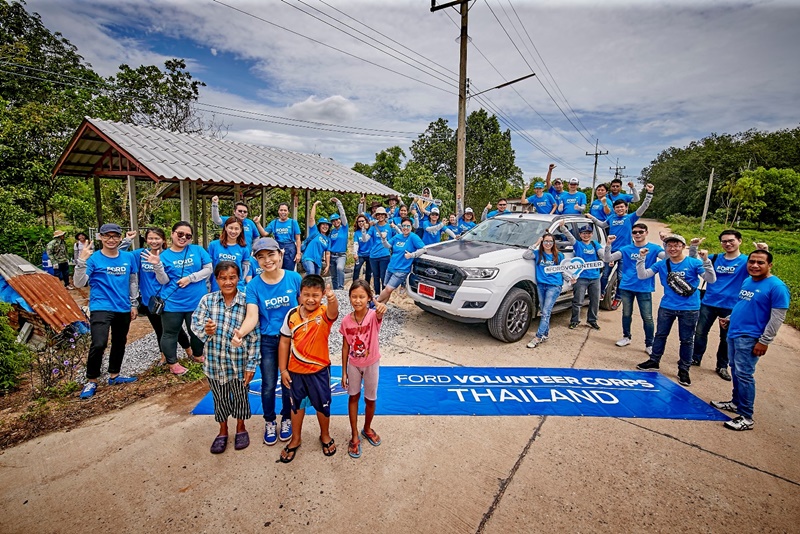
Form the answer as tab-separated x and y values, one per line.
430	271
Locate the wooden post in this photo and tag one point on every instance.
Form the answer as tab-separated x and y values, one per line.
186	212
134	210
461	131
708	198
308	210
295	202
98	201
264	220
204	222
237	195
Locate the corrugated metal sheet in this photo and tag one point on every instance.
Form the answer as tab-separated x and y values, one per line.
43	292
175	156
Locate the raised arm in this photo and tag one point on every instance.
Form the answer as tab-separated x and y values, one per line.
634	192
596	221
486	211
459	208
641	272
215	218
647	199
339	207
311	220
549	175
709	274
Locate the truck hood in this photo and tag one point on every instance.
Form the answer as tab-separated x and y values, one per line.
472	253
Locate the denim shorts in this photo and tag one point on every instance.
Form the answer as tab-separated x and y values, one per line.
395	280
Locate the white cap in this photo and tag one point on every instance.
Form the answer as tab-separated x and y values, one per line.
573	181
468	210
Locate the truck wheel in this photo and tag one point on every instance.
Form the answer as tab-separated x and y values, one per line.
513	317
610	301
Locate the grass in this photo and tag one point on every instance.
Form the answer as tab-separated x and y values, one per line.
784	245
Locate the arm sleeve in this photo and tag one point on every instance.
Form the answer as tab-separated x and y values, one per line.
245	268
570	237
646	204
342	214
776	318
434	228
384	241
596	221
692	251
483	214
459	208
415	219
161	274
642	272
417	253
125	244
215	218
79	277
609	256
449	232
133	287
635	195
709	275
203	273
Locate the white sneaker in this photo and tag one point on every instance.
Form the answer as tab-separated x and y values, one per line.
624	342
728	406
533	343
649	350
740	423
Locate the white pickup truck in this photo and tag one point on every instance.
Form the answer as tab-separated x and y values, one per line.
482	277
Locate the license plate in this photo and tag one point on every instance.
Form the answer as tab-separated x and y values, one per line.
426	291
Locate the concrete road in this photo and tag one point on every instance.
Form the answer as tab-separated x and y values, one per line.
147	468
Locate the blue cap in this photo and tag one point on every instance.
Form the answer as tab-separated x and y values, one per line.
538	184
323	221
110	227
265	243
335	217
585	229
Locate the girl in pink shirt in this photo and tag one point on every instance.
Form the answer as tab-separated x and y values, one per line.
361	360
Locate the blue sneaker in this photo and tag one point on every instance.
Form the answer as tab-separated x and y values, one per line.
119	379
270	433
286	429
88	390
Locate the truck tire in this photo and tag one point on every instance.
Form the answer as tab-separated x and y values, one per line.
513	317
610	301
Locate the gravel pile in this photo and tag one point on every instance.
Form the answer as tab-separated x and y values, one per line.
143	353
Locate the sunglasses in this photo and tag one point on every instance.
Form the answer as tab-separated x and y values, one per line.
637	232
183	235
547	242
405	226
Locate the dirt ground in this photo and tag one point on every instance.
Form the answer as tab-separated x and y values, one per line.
147	468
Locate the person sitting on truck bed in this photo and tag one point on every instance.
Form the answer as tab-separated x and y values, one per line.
541	201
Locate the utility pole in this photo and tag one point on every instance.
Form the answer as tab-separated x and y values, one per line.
616	170
708	198
461	131
594	176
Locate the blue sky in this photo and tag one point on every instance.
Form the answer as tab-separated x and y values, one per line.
639	75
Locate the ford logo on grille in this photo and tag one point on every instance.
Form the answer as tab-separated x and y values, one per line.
430	271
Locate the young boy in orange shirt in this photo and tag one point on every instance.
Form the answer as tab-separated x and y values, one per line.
304	361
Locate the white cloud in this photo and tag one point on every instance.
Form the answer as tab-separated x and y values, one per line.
336	109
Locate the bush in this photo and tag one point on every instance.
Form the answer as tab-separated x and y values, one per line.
57	363
15	358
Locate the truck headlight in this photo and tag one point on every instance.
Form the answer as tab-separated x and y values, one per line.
481	273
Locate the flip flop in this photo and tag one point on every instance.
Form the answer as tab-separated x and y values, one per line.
219	444
288	450
373	439
357	447
328	446
241	441
198	359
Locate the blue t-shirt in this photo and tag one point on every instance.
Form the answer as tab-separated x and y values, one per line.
621	227
377	250
724	293
543	204
249	229
552	192
495	213
465	226
148	285
283	231
430	238
109	280
235	253
627	269
316	246
621	196
598	211
691	269
363	241
570	200
554	279
178	265
752	311
400	245
589	252
339	237
274	300
453	228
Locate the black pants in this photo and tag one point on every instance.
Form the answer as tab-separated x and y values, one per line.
61	272
172	322
101	321
158	328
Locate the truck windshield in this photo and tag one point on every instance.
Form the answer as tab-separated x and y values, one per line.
511	232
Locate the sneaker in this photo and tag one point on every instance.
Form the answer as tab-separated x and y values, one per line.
286	429
595	326
88	390
573	326
70	287
683	378
624	342
647	365
696	363
728	406
649	350
119	379
615	304
271	433
740	423
533	343
724	374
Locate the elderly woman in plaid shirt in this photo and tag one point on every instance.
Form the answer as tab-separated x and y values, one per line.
229	369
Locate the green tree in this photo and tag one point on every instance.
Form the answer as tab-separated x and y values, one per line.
781	195
388	164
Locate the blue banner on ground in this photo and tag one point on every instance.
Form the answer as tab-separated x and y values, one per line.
498	391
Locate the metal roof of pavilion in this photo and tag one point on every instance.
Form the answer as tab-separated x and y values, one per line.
114	149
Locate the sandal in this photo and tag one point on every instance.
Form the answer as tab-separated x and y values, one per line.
219	444
241	440
199	359
177	369
373	437
354	449
288	450
330	445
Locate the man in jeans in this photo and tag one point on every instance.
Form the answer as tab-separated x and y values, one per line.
720	297
588	280
339	236
630	287
752	326
685	307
